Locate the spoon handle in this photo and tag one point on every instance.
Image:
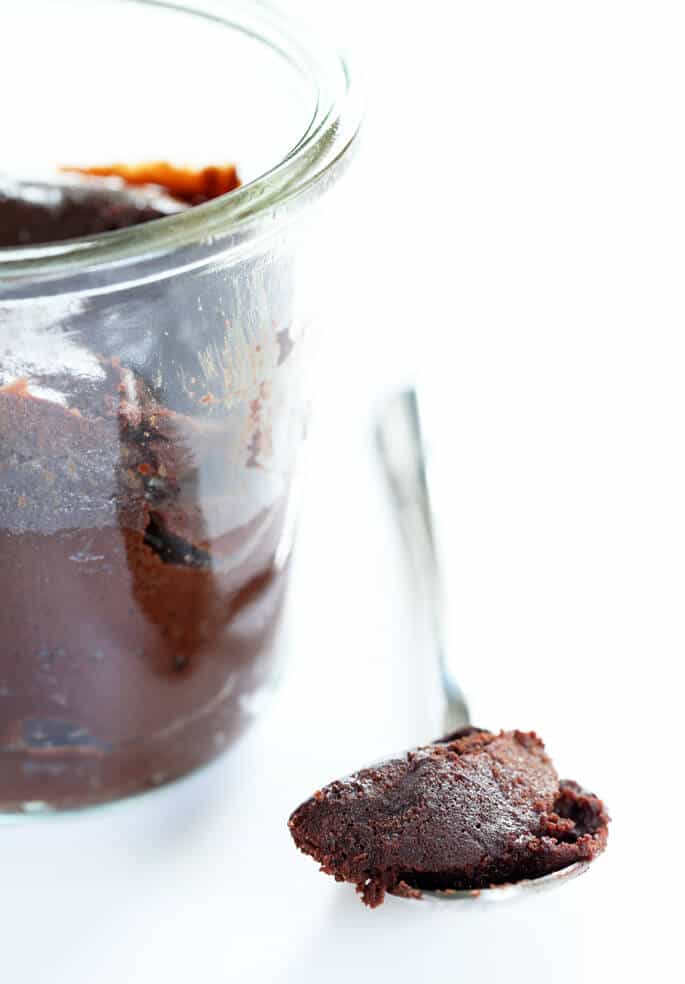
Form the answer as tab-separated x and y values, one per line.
403	454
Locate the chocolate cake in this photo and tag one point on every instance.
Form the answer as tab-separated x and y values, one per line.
84	204
33	213
146	451
474	810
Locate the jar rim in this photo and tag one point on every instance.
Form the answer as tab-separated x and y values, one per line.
238	217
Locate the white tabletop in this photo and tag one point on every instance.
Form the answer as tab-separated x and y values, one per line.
521	193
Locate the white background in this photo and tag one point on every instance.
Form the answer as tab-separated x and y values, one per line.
514	236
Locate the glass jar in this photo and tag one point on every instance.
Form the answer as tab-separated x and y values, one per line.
153	390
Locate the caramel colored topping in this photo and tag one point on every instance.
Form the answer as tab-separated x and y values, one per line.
19	387
183	183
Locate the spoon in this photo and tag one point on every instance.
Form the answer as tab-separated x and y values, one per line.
403	453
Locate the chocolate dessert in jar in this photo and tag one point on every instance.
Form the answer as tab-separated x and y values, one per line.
154	322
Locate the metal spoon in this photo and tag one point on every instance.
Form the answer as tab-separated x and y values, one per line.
402	449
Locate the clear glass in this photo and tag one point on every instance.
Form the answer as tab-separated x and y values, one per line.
153	392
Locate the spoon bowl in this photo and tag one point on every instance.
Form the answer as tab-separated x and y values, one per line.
504	893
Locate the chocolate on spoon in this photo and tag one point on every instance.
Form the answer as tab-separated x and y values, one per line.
477	814
466	813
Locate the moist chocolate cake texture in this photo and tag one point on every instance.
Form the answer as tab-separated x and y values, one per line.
34	213
39	212
473	810
148	440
